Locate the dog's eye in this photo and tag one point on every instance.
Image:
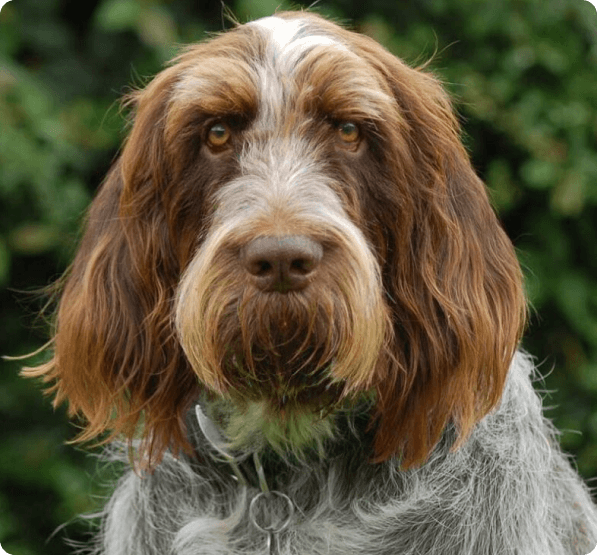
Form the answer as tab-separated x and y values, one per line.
218	135
349	132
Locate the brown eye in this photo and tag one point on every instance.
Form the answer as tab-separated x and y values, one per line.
348	132
219	134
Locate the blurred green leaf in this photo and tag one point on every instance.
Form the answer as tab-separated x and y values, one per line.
577	299
156	27
569	195
539	174
118	15
33	239
252	9
502	189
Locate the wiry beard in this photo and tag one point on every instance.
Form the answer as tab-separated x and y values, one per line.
309	349
281	348
278	353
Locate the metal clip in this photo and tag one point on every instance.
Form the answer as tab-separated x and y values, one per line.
271	512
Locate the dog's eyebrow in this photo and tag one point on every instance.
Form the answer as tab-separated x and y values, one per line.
218	86
339	86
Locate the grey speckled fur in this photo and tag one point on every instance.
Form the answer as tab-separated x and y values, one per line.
509	490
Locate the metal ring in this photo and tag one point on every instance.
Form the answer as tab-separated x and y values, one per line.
275	500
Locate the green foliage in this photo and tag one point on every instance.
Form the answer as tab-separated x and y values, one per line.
524	76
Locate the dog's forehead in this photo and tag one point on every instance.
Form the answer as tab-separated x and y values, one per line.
295	37
290	46
280	68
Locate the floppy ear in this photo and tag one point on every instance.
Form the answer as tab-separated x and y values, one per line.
115	357
450	272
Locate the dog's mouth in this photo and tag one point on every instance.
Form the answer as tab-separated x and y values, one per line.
280	348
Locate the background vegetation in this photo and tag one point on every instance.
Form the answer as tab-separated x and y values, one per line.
524	73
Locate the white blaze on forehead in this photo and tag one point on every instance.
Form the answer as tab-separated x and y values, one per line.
288	42
290	38
281	31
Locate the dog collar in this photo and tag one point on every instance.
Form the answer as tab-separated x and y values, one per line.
270	511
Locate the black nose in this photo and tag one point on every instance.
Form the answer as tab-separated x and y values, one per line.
282	264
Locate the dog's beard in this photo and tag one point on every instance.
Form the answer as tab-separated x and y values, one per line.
307	349
281	348
278	366
278	352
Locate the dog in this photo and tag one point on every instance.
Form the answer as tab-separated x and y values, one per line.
295	302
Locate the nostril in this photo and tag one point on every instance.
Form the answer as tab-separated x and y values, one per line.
302	265
262	268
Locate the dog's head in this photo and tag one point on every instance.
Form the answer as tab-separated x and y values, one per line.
293	223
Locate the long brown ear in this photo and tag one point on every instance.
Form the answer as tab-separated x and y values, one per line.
450	273
116	360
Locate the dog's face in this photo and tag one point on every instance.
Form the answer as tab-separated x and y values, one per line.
282	301
293	223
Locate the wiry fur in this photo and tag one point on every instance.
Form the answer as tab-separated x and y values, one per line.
508	490
379	386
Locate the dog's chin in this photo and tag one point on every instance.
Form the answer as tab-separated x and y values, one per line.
278	400
283	375
282	353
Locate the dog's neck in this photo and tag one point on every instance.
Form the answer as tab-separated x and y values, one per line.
299	436
347	433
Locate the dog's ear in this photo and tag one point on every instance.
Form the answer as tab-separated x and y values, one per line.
116	360
450	273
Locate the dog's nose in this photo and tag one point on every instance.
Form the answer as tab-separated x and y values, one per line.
282	264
